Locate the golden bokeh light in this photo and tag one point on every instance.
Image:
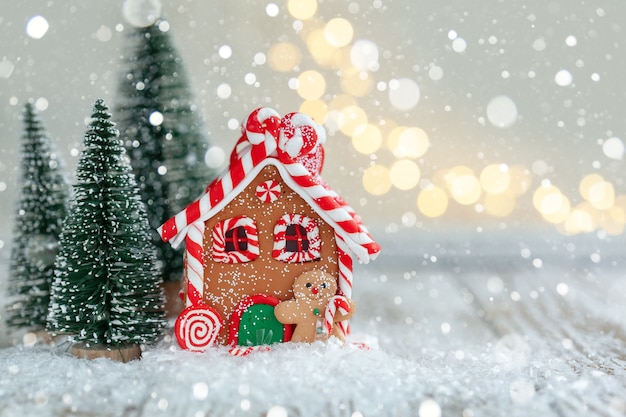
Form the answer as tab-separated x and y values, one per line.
317	109
580	220
497	189
367	139
562	211
499	205
548	199
432	201
408	142
376	180
601	195
355	82
338	32
495	178
463	185
351	118
322	52
284	56
311	85
587	182
404	174
302	9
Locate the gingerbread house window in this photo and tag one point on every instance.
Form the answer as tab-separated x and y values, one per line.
235	240
296	239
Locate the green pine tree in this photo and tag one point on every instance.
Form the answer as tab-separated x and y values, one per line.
163	132
40	209
106	287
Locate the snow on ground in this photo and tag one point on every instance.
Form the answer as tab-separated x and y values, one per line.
452	335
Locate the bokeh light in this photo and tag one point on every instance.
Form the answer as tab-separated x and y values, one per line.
37	27
563	78
302	9
321	50
580	220
548	199
502	111
404	174
499	205
311	85
495	178
601	195
613	148
464	187
284	56
376	180
367	139
351	118
141	13
316	109
404	93
338	32
432	201
357	83
408	142
364	55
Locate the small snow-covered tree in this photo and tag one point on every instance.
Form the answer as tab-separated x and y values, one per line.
106	287
163	132
40	209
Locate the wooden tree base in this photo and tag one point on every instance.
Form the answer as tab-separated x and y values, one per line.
117	353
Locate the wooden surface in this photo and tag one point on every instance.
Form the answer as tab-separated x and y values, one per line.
547	320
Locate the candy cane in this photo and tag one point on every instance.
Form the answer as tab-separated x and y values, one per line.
298	136
337	302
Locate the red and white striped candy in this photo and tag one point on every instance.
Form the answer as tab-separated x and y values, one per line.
279	251
246	350
268	191
298	136
219	240
338	302
197	327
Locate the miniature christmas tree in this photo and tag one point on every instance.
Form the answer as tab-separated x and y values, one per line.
163	132
106	287
40	210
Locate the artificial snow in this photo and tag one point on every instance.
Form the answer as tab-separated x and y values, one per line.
464	330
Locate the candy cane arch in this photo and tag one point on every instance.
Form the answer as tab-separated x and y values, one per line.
345	279
237	256
198	325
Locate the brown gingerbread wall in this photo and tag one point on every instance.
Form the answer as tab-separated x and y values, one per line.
225	285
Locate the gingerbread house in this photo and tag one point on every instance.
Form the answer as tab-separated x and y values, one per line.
268	218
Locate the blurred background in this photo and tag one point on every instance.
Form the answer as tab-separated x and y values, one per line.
444	119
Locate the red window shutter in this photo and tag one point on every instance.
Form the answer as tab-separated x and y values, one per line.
296	238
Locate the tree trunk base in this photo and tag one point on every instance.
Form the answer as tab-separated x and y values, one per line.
124	354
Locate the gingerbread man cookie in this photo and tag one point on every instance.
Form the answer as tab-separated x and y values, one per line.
315	307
